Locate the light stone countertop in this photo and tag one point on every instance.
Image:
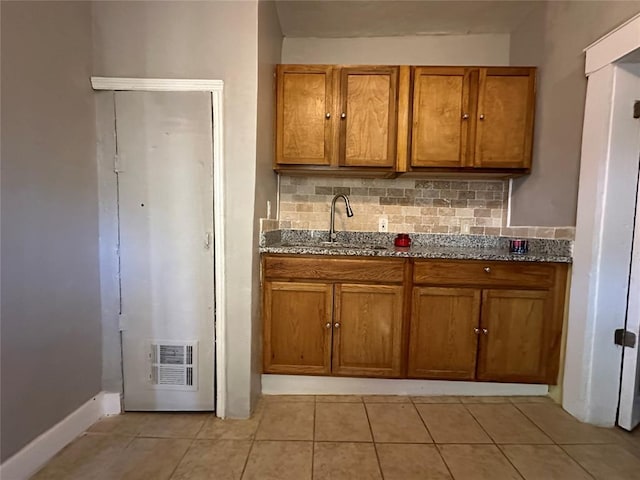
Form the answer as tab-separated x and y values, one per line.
370	244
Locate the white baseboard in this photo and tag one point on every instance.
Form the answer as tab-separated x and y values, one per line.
309	385
33	456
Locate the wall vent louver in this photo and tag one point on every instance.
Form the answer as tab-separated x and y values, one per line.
173	365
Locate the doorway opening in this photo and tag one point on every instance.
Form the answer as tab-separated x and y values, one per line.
162	248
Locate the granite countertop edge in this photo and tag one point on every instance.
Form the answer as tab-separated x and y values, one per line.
418	252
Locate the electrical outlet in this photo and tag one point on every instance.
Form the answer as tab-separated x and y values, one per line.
465	227
383	224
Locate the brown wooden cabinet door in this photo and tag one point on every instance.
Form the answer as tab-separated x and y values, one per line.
444	102
303	114
368	116
505	116
444	333
297	327
515	335
367	337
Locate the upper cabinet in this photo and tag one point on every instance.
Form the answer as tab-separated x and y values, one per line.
305	103
444	102
472	118
336	119
388	120
506	104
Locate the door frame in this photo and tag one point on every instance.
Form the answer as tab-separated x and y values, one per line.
602	249
215	88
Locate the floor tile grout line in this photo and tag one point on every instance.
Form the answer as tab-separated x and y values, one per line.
575	460
444	461
253	437
373	439
536	423
510	462
527	418
478	422
424	422
193	440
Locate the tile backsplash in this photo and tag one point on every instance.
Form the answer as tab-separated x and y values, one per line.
410	205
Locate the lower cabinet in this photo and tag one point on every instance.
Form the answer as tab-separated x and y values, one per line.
476	331
367	336
329	327
297	327
449	320
443	338
516	336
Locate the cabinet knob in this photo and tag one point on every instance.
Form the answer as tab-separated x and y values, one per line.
487	269
485	331
337	325
476	330
327	325
482	116
327	115
465	116
343	115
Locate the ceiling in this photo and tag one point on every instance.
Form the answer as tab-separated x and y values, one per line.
378	18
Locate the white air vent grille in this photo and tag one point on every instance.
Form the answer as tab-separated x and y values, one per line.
173	365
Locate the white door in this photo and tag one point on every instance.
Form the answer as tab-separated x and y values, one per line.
629	408
165	202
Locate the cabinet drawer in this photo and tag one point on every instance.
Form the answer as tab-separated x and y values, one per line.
479	273
338	269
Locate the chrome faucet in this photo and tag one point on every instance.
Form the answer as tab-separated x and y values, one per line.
332	229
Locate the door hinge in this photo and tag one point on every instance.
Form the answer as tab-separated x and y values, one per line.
624	338
636	109
122	322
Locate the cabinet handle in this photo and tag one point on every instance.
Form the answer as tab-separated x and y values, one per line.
487	269
343	115
337	325
327	115
482	116
465	116
476	330
485	331
328	325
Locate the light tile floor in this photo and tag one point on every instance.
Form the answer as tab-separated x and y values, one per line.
355	438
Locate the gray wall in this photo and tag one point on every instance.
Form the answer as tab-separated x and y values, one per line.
209	40
491	49
553	38
51	348
269	51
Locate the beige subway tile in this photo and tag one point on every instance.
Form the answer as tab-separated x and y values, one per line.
464	212
304	207
482	212
392	209
474	230
430	211
492	231
446	212
440	229
449	194
565	233
429	220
